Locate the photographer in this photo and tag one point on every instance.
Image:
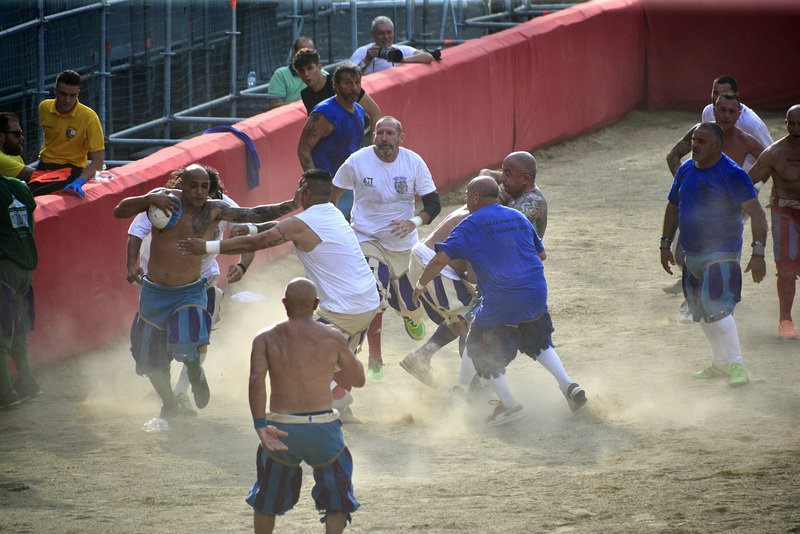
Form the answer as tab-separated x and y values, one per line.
383	53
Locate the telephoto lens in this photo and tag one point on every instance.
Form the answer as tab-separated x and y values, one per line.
391	54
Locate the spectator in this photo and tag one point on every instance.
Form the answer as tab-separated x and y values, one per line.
383	53
11	138
70	131
285	84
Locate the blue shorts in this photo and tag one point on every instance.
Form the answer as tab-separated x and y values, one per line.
492	348
712	284
172	322
279	475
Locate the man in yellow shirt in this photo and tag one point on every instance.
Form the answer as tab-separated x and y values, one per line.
11	138
71	130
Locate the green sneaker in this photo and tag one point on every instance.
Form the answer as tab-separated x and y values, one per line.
713	371
416	331
375	372
185	404
738	375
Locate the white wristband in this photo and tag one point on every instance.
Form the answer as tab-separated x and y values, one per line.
212	247
252	229
419	286
417	220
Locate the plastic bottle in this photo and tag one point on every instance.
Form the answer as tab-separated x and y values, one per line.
251	79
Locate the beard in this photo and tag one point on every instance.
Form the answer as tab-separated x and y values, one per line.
12	149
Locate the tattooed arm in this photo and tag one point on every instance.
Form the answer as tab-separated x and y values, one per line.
683	147
290	230
316	127
259	214
534	206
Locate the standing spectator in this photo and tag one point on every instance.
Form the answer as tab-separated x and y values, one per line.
285	84
386	179
706	201
71	130
11	138
18	259
383	53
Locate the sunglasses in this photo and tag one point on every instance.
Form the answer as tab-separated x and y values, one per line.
18	133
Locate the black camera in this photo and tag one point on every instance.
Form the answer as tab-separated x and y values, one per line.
391	54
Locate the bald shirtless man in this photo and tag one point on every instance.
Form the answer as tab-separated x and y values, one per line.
300	356
172	322
782	161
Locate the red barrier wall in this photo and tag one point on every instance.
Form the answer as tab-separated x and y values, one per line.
691	42
551	79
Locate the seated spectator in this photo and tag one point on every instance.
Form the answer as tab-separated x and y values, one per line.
383	53
285	85
71	130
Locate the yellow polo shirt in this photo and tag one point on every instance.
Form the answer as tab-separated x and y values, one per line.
10	165
69	138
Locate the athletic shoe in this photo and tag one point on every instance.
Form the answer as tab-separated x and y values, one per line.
684	315
738	375
200	389
9	400
673	289
576	397
786	330
503	415
344	403
416	331
713	371
375	372
28	390
185	404
419	370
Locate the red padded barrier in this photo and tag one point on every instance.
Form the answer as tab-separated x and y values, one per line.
690	42
550	79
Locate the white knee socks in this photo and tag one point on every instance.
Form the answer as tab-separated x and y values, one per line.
724	341
550	361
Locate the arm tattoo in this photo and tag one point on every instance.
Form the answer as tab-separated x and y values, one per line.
203	217
276	240
683	147
532	205
258	214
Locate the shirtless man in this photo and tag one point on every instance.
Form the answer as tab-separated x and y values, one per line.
332	258
449	299
173	322
782	161
737	145
300	356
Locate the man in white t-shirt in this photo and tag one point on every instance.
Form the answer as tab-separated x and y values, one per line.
138	248
385	180
332	259
383	53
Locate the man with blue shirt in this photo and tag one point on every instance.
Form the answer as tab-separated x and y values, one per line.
506	255
706	201
335	128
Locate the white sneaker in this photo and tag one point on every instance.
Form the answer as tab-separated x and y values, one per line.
503	415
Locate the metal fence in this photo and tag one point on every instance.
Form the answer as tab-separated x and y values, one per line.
159	71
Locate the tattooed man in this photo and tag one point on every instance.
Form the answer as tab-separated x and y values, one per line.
173	322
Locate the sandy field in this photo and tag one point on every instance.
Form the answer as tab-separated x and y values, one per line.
654	450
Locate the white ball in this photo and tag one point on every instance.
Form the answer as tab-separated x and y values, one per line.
162	219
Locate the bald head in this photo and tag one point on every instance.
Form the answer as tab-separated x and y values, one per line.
481	191
523	162
301	297
794	111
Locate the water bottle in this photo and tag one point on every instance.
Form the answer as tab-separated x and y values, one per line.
251	79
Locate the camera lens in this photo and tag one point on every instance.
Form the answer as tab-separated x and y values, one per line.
391	54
